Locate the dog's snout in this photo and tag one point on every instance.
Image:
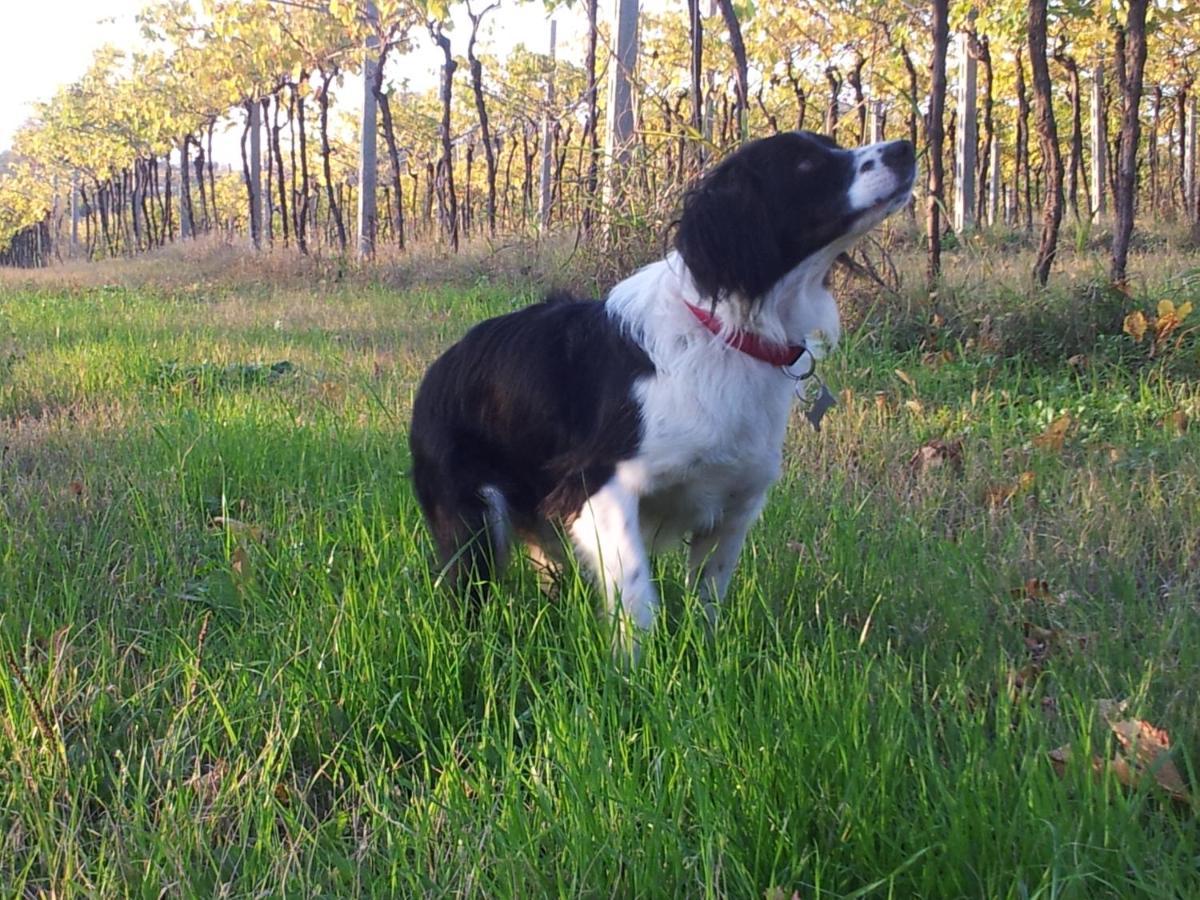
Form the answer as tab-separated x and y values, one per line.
899	156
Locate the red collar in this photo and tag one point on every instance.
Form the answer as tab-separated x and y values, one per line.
749	343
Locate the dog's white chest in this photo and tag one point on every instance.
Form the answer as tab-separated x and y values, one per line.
709	446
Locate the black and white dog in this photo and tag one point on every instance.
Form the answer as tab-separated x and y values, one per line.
660	413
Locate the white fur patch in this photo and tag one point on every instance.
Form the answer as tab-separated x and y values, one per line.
874	181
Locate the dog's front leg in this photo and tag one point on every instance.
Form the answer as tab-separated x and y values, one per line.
713	555
608	538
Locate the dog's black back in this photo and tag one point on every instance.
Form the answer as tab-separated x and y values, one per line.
536	404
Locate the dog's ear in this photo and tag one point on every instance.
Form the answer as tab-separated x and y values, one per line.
725	236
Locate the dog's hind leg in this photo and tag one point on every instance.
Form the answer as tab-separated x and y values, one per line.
607	536
472	534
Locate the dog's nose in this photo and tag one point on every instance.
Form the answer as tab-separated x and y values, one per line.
899	156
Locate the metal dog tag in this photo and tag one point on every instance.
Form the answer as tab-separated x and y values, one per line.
816	399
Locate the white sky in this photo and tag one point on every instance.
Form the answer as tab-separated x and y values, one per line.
48	43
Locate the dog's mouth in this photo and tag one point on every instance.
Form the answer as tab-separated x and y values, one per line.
872	215
898	197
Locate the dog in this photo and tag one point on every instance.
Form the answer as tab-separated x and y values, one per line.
659	413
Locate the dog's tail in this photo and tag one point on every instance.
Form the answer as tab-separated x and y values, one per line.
473	538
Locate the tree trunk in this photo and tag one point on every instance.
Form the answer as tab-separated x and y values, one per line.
280	180
155	198
860	100
621	133
1181	99
102	208
1191	185
465	215
1048	133
447	163
913	104
835	88
212	178
937	109
147	206
741	68
187	220
327	167
1099	142
1131	68
200	184
168	211
1023	144
798	92
966	143
1075	157
512	152
250	172
135	204
696	71
981	48
1155	121
430	178
545	192
375	51
389	137
305	190
485	127
592	137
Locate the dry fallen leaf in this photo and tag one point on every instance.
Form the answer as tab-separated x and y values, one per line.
798	547
1151	749
906	378
1019	680
207	783
1055	436
1035	589
239	528
1147	750
1060	758
239	560
936	453
1000	493
1176	421
1038	640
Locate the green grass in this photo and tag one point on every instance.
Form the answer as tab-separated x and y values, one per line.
296	711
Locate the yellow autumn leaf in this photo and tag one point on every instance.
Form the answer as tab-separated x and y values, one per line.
1166	308
1135	325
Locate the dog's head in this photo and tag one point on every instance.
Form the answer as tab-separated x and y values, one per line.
778	201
